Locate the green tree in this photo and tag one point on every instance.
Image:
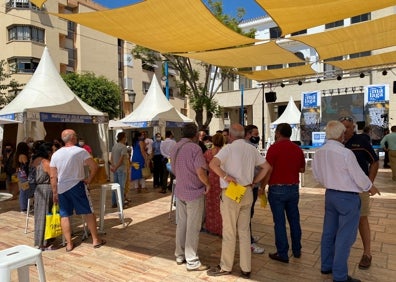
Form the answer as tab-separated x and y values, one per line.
10	90
98	92
201	91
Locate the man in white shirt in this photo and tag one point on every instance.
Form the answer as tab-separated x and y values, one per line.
337	169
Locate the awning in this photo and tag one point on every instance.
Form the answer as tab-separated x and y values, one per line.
164	26
258	55
38	3
382	59
365	36
279	74
293	16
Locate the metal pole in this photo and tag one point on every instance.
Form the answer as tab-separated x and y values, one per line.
242	111
262	116
167	80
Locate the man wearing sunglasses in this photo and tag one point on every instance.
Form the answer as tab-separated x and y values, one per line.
369	163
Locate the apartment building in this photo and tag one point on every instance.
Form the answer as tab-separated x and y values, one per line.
26	30
330	81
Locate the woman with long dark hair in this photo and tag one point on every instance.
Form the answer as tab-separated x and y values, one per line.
43	194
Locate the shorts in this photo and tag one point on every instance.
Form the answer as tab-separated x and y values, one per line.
77	198
365	201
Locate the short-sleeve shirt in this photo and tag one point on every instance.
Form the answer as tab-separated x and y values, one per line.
286	159
189	158
363	151
239	160
69	162
119	150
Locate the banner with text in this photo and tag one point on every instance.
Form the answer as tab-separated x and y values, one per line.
310	115
376	109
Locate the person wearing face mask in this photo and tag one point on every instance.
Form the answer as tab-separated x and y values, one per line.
252	137
82	144
157	161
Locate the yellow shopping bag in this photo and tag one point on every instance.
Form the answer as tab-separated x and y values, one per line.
235	191
53	223
263	200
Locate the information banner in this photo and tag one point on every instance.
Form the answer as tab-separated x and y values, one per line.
310	115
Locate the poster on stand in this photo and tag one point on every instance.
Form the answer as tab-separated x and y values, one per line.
310	116
376	110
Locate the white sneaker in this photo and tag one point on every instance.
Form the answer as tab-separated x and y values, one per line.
256	249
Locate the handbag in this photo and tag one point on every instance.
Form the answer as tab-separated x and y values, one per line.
23	182
146	172
53	223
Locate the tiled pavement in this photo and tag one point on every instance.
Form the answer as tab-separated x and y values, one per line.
143	251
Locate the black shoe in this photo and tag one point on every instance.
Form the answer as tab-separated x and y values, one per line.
297	255
163	191
114	206
275	256
245	274
387	166
326	271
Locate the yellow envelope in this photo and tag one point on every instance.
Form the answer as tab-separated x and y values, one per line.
235	191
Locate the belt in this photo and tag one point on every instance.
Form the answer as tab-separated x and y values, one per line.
294	184
349	192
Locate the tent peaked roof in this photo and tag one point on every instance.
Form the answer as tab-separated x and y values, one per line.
46	92
155	110
291	115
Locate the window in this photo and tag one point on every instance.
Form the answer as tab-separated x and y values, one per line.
246	82
21	4
304	31
274	67
334	24
330	70
275	32
170	91
361	18
361	54
145	87
228	85
26	33
23	65
301	56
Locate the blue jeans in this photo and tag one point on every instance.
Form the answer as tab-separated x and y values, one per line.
340	225
120	178
284	199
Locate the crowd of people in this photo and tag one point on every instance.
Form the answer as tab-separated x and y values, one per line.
201	169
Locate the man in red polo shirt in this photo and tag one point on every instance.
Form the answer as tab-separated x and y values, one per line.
285	160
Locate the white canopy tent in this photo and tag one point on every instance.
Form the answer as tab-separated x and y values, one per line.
155	110
292	116
47	102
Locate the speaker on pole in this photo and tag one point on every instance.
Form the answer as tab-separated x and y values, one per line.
270	97
394	87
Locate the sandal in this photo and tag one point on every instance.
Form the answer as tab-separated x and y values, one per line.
100	244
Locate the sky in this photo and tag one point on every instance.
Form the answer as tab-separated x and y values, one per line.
253	10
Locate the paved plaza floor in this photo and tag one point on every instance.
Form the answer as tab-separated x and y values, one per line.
144	250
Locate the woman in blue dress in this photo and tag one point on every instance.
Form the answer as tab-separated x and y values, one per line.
138	158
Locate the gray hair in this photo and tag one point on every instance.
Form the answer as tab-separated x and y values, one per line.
237	131
334	129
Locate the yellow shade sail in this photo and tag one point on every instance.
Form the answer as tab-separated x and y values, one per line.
366	36
364	62
279	74
38	3
164	26
258	55
297	15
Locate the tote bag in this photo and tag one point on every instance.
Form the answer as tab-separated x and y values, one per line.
53	223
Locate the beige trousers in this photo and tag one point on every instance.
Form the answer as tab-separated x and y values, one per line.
236	218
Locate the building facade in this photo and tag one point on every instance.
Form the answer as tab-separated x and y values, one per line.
257	111
27	30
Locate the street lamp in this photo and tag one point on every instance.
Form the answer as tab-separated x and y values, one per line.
131	96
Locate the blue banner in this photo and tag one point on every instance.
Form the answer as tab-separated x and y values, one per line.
310	100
